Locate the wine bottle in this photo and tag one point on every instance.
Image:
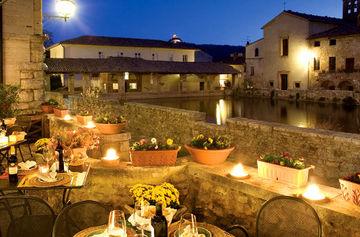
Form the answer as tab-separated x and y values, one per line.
3	126
13	169
60	151
159	223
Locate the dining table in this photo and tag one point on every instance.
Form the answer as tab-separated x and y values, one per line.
30	181
100	231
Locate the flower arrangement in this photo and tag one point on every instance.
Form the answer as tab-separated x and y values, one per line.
284	159
165	193
110	118
80	138
211	143
45	150
154	145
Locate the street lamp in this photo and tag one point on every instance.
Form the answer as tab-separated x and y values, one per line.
64	8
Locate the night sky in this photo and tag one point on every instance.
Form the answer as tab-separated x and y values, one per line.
197	21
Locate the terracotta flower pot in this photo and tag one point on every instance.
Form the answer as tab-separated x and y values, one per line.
83	119
10	121
47	109
209	157
60	112
110	129
283	174
350	191
77	166
154	158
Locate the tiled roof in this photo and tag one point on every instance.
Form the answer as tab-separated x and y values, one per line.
341	30
315	18
126	42
122	64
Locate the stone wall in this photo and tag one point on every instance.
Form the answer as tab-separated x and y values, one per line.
23	51
334	154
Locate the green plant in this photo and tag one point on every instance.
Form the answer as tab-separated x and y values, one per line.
110	117
89	102
9	96
61	106
154	145
211	143
284	160
51	102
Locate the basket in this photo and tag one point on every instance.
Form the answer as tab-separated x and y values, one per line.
154	158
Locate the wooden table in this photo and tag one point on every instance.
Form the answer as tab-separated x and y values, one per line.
77	180
215	231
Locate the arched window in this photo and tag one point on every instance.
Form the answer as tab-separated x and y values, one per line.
257	52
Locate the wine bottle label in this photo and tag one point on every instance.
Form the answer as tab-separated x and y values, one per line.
13	169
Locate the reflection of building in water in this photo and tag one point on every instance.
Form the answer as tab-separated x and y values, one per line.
223	111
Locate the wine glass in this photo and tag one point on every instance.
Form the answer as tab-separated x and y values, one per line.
116	224
188	225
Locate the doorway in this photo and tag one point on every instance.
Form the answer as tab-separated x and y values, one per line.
284	82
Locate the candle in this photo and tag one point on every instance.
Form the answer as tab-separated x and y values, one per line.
90	125
239	172
313	193
111	158
113	231
44	169
67	117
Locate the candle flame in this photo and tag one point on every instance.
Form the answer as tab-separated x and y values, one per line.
67	117
313	192
90	124
111	155
238	171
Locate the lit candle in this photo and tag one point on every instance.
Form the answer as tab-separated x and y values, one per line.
239	172
44	169
111	157
313	193
67	117
90	125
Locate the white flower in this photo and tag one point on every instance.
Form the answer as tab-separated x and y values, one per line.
156	147
153	140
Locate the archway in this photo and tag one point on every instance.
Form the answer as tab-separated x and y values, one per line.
328	85
346	86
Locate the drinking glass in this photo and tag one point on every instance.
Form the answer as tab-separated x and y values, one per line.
116	224
188	225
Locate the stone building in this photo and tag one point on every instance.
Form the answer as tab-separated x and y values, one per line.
22	45
302	51
163	68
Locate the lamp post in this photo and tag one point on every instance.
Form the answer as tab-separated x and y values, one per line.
64	8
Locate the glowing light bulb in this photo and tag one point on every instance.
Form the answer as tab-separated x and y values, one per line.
90	125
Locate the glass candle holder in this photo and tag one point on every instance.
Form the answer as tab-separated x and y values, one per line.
116	224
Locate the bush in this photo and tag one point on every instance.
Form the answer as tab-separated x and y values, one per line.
9	96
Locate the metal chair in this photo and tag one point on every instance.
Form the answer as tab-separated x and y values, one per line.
285	216
237	231
25	216
80	216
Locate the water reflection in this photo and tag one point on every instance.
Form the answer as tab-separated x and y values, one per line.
303	114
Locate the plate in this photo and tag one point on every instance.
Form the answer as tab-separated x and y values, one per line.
62	179
201	230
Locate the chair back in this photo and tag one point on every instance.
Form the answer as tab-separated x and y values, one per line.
25	216
287	216
79	216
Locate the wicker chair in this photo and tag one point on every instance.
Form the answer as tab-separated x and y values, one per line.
25	216
287	216
79	216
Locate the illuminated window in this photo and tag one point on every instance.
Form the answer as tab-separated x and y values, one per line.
222	81
115	87
133	86
126	75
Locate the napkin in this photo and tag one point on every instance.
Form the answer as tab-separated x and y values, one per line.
49	177
146	222
187	232
29	164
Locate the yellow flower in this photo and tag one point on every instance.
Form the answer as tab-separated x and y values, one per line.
210	140
169	142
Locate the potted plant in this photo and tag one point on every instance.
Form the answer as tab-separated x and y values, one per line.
76	143
154	153
146	196
284	168
350	187
48	106
87	104
9	97
110	123
209	150
61	110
